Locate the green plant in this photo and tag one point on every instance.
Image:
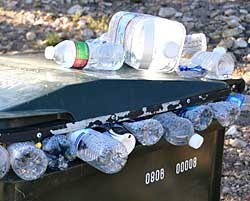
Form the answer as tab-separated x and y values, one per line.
52	38
100	24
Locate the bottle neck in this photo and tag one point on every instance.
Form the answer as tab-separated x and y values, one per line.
82	55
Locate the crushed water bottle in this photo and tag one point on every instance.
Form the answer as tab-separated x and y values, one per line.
147	132
27	161
226	113
179	131
150	42
200	116
219	64
99	150
59	151
93	54
4	162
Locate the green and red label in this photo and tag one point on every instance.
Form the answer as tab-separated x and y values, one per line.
82	54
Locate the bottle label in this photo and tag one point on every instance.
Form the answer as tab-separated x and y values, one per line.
122	25
236	98
82	54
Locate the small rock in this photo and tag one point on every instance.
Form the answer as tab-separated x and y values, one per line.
82	24
87	34
232	32
28	1
238	143
247	18
233	23
167	12
30	35
178	14
240	43
227	43
229	12
226	190
243	11
232	131
76	9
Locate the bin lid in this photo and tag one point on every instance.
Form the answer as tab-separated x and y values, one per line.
29	82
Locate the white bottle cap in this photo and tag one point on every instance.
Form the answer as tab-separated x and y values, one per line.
127	139
171	49
49	52
220	50
196	141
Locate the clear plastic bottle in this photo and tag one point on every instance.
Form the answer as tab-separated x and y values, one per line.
179	131
219	64
99	150
150	42
59	151
4	162
200	116
27	161
147	132
226	113
93	54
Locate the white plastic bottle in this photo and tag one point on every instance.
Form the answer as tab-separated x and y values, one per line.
99	150
219	64
27	161
150	42
93	54
4	162
179	131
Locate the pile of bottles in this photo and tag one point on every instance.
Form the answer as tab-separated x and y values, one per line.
108	149
145	42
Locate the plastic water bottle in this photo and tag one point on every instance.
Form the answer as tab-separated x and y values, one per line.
59	151
226	113
27	161
150	42
4	162
93	54
219	64
147	132
99	150
179	131
194	43
200	116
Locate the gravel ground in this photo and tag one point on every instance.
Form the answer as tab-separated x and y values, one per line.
30	25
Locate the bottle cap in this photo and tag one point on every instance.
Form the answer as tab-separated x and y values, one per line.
49	52
127	139
220	50
171	49
196	141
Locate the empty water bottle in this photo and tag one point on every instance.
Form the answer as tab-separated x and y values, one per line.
200	116
27	161
179	131
99	150
150	42
147	132
4	162
219	64
93	54
226	113
59	151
